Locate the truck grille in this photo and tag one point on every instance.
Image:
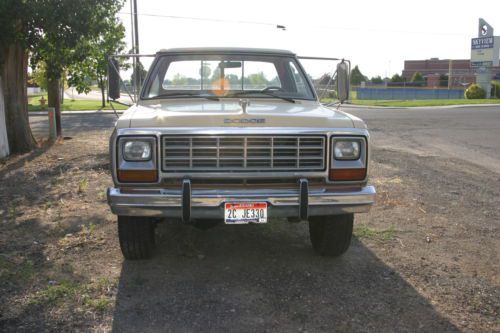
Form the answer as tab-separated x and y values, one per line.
243	153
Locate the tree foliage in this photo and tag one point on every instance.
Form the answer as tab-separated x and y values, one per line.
139	71
377	80
495	89
94	66
443	80
50	31
417	77
39	75
357	77
66	28
397	78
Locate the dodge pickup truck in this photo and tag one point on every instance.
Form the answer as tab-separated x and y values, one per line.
237	136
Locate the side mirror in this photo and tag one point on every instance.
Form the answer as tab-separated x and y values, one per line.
343	81
113	79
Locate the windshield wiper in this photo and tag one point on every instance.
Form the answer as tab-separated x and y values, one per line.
268	93
182	94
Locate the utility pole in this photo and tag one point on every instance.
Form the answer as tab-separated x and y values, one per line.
450	74
137	83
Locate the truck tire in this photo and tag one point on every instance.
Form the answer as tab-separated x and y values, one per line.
137	237
331	235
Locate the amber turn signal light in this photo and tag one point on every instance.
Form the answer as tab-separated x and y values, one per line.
347	174
137	176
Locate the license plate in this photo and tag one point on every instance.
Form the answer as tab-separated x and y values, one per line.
245	212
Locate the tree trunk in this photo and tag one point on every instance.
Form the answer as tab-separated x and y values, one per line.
14	74
103	92
54	101
4	141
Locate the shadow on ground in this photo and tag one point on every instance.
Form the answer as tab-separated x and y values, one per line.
261	278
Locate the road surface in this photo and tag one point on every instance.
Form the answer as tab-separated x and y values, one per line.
468	133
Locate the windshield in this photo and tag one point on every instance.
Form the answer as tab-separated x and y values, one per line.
227	76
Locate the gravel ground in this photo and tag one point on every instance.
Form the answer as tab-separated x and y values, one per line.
426	258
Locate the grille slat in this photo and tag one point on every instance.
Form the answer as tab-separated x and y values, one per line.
240	153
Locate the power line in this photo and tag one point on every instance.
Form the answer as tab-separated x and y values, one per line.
204	19
372	29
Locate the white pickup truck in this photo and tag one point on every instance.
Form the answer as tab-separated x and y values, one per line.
238	136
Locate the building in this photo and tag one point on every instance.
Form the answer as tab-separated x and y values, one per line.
461	72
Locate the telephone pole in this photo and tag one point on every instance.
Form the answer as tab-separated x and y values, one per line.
135	48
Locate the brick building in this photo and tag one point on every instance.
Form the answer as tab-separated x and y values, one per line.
461	73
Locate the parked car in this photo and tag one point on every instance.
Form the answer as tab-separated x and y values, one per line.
237	136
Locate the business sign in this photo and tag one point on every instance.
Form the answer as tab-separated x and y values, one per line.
482	43
480	64
485	30
484	50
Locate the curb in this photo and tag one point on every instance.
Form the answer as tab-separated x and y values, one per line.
44	113
357	106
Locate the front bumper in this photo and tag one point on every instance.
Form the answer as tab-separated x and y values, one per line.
187	203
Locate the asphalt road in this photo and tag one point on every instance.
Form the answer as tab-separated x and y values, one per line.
468	133
74	124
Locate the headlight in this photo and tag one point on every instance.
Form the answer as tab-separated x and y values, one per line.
346	149
137	150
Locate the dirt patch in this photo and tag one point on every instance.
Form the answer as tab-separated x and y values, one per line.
425	258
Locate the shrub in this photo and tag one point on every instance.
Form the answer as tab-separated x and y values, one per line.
475	92
495	89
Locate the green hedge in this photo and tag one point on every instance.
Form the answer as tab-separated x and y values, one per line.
495	89
475	92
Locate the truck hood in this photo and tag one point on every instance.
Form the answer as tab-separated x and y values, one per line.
228	113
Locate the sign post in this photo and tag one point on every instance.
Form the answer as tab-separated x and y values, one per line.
484	55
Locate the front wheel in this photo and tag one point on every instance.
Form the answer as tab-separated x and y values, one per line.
137	237
331	235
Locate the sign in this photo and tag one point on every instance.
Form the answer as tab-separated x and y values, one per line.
484	50
482	43
485	30
479	64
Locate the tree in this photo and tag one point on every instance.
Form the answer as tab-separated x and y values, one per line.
397	78
94	67
39	75
377	80
61	42
357	77
443	80
138	70
29	26
14	40
418	78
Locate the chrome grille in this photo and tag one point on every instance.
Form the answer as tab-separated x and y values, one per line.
243	153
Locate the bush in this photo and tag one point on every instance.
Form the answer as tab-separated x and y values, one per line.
495	89
475	92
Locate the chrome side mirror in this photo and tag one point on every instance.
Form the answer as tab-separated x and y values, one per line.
343	82
113	79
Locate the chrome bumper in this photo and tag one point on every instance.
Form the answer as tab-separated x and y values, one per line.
188	204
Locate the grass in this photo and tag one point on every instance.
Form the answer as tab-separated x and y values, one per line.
15	273
83	185
363	231
425	102
71	105
94	295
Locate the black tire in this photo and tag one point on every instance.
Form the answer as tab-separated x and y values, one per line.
137	237
331	235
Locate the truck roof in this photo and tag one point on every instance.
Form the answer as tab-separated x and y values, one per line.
226	50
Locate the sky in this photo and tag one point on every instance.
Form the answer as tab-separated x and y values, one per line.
375	35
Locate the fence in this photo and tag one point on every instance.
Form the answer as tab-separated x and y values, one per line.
408	93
